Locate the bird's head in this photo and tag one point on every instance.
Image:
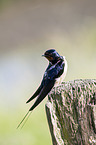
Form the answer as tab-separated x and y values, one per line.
52	56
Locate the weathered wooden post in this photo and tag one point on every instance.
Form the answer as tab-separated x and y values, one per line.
71	113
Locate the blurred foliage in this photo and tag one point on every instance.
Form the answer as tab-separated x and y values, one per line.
5	3
27	29
34	132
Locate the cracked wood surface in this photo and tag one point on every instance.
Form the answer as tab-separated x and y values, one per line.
71	113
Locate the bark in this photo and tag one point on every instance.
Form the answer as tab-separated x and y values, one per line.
71	113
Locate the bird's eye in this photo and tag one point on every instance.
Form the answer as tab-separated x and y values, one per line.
46	53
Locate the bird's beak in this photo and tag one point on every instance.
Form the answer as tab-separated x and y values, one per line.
48	57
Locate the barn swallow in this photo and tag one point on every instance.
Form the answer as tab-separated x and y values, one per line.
54	74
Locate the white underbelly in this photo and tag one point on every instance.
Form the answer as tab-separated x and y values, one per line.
61	78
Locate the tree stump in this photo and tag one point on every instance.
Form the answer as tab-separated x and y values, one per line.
71	113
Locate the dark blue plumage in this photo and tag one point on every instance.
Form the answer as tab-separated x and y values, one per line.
54	70
49	79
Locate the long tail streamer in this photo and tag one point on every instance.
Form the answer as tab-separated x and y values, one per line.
24	118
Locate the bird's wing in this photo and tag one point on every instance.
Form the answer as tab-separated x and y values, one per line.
40	87
45	90
48	82
35	94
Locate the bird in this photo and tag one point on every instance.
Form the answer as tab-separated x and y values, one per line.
53	76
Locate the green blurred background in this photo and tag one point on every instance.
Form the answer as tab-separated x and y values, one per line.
27	29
